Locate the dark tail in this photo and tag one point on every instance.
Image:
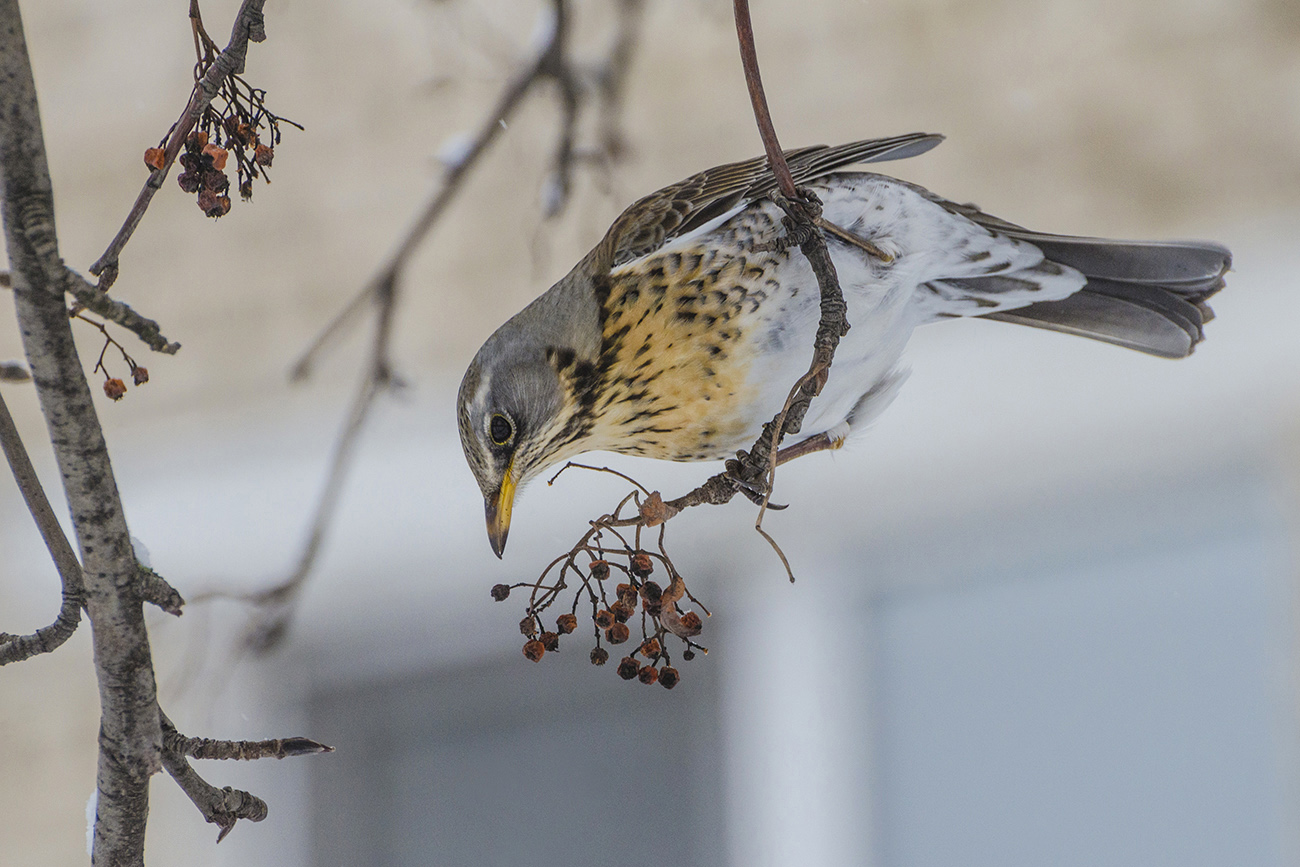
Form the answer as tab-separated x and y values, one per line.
1146	295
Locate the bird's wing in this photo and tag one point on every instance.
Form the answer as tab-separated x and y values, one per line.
675	210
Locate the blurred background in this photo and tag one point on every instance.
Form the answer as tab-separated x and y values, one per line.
1046	610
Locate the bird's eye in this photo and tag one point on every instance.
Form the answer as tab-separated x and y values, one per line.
500	429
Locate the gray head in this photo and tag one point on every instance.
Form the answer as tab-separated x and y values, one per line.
509	410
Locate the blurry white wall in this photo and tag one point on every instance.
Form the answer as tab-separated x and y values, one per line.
1045	610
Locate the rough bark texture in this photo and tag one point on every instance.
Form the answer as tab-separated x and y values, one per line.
130	739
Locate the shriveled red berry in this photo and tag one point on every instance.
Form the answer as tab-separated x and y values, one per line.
550	640
604	618
651	648
501	592
190	162
212	204
263	155
641	564
155	158
528	626
618	633
566	623
651	592
599	569
627	592
691	623
115	388
140	374
189	181
599	656
668	677
688	654
217	154
648	674
628	668
196	141
622	611
534	650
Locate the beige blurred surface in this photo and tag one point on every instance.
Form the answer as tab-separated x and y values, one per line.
1164	118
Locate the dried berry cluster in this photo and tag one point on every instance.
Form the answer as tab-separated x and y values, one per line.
113	387
232	126
616	584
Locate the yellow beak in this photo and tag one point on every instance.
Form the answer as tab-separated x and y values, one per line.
498	512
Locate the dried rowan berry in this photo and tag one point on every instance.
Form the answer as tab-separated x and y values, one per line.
688	654
566	623
189	181
196	141
215	180
115	388
599	569
691	624
550	640
654	609
627	592
263	154
190	162
534	650
604	618
668	677
650	591
651	647
528	626
599	656
217	154
155	158
618	633
648	675
622	611
628	668
140	374
501	592
212	204
641	564
246	189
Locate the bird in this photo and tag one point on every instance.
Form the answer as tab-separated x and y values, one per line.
683	329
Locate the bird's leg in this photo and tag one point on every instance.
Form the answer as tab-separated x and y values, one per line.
822	442
849	238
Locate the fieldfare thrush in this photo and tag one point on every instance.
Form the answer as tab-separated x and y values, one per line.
682	332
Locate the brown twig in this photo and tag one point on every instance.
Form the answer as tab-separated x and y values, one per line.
16	648
249	27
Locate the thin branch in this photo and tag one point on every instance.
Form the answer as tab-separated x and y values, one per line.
249	27
222	807
154	589
15	648
749	60
99	302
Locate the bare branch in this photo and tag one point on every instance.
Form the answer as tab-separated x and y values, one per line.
249	26
97	301
130	739
154	589
749	60
16	648
226	806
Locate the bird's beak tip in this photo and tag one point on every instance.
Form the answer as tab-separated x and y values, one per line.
498	509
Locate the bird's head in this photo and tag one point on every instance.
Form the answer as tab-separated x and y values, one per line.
512	410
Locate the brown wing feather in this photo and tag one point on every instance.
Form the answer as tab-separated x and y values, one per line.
675	210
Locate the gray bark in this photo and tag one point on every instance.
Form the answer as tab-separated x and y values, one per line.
130	738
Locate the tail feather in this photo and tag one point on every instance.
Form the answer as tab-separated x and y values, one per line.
1145	295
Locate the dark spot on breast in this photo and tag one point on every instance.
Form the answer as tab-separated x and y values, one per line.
978	257
685	316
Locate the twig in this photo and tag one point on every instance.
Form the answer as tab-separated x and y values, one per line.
249	27
222	807
16	648
99	302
